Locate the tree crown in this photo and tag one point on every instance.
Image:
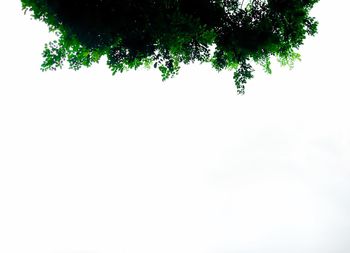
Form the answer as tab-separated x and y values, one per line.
166	33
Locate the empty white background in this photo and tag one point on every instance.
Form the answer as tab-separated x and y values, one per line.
91	163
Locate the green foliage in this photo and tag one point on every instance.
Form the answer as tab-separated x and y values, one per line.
242	75
228	34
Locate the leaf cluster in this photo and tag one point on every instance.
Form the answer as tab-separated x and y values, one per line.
228	34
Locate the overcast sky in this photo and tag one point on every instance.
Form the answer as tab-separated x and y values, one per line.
91	163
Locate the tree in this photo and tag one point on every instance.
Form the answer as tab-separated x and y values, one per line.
229	34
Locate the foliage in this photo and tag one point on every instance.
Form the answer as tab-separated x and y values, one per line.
229	34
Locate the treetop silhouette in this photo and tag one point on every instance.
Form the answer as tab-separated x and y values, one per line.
229	34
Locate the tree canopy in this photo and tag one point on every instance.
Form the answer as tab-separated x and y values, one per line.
229	34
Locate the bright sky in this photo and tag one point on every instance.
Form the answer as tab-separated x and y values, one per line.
91	163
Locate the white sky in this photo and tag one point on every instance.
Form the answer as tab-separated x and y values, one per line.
91	163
